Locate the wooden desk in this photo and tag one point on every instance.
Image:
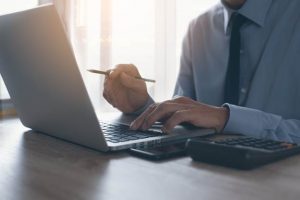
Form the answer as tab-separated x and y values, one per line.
36	166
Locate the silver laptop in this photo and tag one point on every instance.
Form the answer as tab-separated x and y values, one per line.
42	77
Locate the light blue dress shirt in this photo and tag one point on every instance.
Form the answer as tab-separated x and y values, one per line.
269	67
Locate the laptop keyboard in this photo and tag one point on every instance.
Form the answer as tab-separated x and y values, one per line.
116	133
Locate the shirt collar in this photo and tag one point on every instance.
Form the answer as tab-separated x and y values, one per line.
254	10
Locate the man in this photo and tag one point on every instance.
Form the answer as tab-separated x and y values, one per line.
240	72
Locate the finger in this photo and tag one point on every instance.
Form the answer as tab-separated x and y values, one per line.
163	110
108	93
131	82
128	68
177	118
105	91
115	73
107	97
136	124
107	74
185	100
106	83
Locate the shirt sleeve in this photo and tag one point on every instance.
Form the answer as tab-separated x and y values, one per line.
185	81
256	123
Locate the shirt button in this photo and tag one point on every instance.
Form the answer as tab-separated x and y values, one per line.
243	90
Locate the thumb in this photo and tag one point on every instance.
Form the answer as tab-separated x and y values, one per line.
131	82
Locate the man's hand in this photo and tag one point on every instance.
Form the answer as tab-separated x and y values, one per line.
179	110
123	91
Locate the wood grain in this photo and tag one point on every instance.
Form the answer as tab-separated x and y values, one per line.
36	166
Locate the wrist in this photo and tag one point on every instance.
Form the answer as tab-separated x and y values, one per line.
222	118
142	108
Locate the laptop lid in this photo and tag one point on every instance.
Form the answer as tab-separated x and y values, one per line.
42	77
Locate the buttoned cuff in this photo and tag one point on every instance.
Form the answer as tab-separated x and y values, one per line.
250	121
139	111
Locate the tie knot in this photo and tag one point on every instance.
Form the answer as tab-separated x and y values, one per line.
237	21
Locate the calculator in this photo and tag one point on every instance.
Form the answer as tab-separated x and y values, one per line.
239	151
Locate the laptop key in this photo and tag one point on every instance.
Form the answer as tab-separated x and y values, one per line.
121	133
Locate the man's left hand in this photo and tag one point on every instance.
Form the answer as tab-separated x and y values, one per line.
179	110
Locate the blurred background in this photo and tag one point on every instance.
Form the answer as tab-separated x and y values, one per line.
147	33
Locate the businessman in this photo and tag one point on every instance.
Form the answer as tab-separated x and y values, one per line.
239	72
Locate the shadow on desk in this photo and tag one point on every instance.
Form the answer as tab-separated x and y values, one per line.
44	164
58	146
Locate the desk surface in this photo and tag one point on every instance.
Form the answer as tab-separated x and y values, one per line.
36	166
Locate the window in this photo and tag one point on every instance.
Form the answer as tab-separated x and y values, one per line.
147	33
8	6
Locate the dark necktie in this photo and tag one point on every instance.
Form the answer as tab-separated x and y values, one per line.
232	81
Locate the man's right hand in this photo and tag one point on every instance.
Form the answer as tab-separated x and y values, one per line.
123	91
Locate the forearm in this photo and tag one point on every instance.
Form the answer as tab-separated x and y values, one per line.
260	124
